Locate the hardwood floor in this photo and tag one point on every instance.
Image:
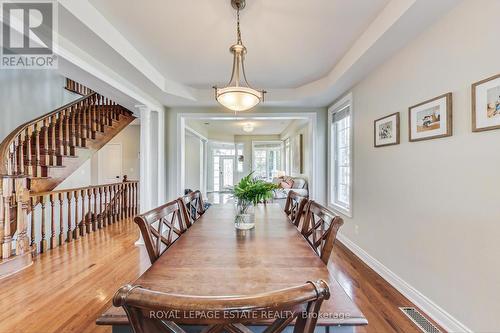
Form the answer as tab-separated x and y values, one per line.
66	289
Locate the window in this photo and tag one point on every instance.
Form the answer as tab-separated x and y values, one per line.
340	159
267	159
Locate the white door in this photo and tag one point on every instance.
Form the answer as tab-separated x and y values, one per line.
110	164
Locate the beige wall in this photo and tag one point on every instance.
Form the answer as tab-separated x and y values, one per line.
291	132
429	211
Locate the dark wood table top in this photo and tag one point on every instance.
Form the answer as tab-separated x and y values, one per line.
214	259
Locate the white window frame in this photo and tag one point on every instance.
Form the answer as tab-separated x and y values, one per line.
340	105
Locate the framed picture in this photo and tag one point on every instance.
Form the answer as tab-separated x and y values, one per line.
486	104
431	119
386	130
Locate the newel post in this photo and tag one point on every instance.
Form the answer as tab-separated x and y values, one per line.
5	237
23	202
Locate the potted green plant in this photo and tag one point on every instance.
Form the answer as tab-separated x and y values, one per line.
248	193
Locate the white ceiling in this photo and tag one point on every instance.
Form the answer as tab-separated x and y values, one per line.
235	127
170	53
290	42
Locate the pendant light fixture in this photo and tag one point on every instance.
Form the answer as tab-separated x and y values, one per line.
248	127
238	95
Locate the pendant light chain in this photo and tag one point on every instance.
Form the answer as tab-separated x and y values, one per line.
238	26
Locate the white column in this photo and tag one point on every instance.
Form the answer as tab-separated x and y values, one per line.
145	154
162	186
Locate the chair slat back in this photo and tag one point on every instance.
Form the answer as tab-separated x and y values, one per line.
320	229
161	227
194	206
295	207
150	311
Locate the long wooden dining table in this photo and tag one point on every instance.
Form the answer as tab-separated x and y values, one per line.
212	258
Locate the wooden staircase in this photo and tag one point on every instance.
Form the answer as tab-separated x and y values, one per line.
40	154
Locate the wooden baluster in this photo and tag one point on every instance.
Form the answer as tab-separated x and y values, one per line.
94	216
60	135
112	204
84	215
75	231
115	203
109	111
67	132
33	225
69	237
77	123
119	210
61	218
20	153
90	214
53	239
46	145
91	118
14	158
72	124
53	143
43	242
38	167
129	200
105	208
28	167
101	218
83	124
100	128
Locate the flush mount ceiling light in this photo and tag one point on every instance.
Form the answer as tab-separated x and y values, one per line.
238	95
248	127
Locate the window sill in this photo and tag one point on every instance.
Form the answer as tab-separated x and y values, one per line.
340	210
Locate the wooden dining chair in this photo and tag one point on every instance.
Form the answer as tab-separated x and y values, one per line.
295	207
320	229
161	227
194	207
151	311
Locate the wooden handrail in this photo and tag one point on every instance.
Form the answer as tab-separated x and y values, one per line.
9	140
65	215
80	188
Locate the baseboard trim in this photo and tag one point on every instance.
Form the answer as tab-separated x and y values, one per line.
438	314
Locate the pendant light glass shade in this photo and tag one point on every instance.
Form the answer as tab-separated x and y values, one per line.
238	95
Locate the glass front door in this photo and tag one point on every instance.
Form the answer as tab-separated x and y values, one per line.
227	172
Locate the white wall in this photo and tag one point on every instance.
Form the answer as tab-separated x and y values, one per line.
28	94
429	211
194	162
